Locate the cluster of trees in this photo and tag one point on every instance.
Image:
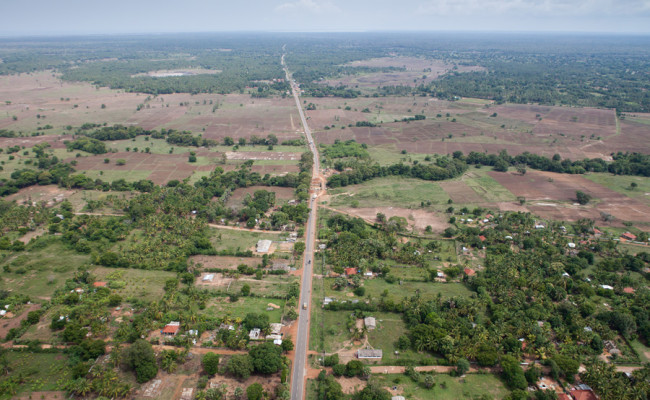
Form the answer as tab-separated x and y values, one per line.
349	148
443	168
532	297
623	164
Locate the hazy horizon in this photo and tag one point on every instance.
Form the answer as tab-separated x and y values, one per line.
78	17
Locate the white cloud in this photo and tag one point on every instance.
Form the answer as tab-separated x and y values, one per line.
311	6
532	8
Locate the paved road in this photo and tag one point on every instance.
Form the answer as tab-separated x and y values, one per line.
302	340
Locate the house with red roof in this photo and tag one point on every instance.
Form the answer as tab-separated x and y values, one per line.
628	290
100	284
628	236
469	271
564	396
482	238
350	271
171	329
583	395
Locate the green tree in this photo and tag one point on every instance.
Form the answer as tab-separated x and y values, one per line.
266	358
513	374
240	366
254	391
210	362
462	366
142	359
582	197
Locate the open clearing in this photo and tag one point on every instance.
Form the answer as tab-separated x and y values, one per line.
470	126
414	71
40	99
552	196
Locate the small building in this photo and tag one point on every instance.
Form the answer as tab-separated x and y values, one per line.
350	271
277	342
628	236
482	238
171	329
368	274
275	328
441	275
327	300
374	354
274	337
207	278
100	284
224	327
539	226
607	287
469	271
370	323
254	334
628	290
564	396
571	245
263	246
397	398
597	232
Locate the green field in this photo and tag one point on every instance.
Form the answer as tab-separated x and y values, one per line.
222	306
447	387
376	286
389	191
621	184
39	272
143	284
389	328
486	187
41	371
229	239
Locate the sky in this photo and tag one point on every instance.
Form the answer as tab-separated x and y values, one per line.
65	17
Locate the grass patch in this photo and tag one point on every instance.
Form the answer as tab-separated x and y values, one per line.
642	350
111	175
389	328
222	306
144	284
389	191
447	387
487	187
42	370
39	272
375	287
228	239
621	184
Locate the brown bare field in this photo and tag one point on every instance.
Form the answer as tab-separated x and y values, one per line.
282	194
50	194
263	155
571	132
459	192
39	99
6	323
223	261
415	71
417	219
551	195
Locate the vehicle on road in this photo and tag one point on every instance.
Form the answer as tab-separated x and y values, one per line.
304	306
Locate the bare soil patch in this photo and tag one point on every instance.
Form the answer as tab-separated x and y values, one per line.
6	324
50	194
420	70
417	219
460	193
223	262
552	195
